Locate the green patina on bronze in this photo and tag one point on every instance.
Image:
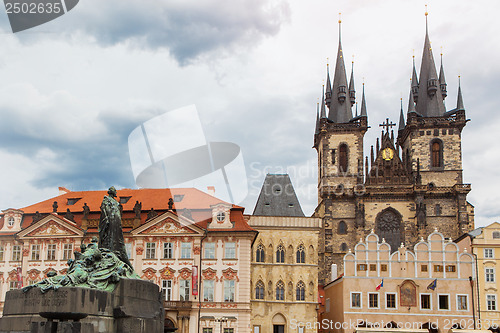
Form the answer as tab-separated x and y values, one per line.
98	266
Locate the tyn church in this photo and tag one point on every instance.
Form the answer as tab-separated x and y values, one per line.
410	183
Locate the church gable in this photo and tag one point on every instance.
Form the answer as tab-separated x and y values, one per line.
167	223
50	226
387	167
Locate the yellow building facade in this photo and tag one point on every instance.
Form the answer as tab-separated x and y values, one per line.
284	266
485	245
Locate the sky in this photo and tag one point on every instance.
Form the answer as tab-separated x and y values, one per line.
73	89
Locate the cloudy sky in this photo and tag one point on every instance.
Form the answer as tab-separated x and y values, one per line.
72	90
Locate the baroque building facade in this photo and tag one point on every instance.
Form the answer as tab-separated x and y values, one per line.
412	180
194	246
424	289
284	264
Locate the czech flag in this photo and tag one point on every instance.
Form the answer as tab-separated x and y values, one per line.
380	285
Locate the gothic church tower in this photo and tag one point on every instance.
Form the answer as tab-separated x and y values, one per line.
409	185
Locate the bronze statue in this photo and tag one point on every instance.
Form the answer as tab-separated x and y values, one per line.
86	211
110	227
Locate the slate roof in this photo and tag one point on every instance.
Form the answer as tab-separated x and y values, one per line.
277	198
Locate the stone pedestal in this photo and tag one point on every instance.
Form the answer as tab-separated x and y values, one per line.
134	306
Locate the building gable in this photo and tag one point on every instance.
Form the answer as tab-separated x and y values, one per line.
50	226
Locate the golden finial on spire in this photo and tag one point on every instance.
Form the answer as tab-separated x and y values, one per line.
426	13
363	80
327	61
353	58
340	17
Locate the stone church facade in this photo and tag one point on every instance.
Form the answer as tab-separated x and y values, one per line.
411	182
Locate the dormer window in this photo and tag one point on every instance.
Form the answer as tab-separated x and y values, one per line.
178	197
72	201
124	200
10	221
221	216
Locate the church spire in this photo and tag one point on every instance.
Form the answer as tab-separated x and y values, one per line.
427	104
401	118
414	81
328	95
363	103
442	80
352	91
323	109
317	118
411	103
460	101
340	109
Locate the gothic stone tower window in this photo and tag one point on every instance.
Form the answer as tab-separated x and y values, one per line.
342	228
343	159
280	254
261	254
437	153
301	255
280	291
259	290
389	227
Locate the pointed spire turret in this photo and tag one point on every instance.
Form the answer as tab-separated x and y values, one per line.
427	104
411	103
460	101
414	81
401	118
442	80
328	95
317	119
352	90
323	109
340	110
363	103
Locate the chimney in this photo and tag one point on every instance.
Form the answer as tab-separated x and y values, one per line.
211	190
334	272
63	190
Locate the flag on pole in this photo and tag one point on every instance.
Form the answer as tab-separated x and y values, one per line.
432	285
380	285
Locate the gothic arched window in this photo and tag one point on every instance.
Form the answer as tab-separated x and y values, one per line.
261	254
343	159
280	291
342	228
437	153
301	254
437	210
343	247
259	290
388	225
280	254
301	291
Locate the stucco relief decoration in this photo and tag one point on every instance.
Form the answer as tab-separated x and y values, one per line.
229	305
209	274
196	250
45	272
139	250
33	274
185	273
1	277
408	293
26	252
166	227
230	274
208	305
50	228
167	273
13	275
149	274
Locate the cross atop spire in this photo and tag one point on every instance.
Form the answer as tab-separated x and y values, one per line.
387	125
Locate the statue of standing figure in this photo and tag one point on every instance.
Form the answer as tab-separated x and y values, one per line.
110	227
